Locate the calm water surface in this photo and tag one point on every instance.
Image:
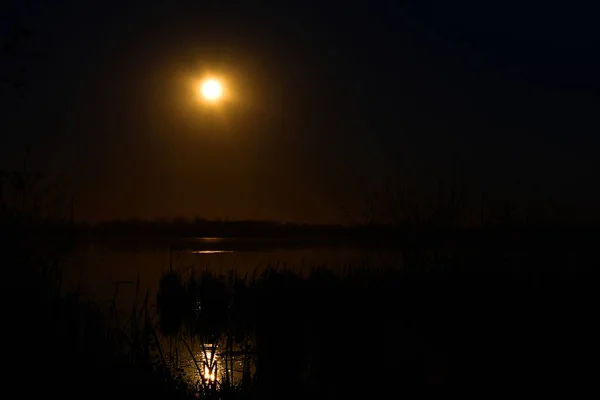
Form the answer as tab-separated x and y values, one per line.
98	269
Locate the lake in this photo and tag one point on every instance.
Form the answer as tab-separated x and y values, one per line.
96	268
101	270
502	300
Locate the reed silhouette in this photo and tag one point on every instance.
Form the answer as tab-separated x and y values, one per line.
496	315
502	303
59	342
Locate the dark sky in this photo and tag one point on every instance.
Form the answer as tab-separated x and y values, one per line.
501	96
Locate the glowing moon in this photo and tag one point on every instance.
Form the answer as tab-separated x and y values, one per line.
212	90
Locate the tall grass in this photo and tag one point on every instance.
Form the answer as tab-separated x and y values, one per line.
497	314
58	343
463	317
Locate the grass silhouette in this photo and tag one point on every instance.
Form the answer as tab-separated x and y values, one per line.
462	316
495	305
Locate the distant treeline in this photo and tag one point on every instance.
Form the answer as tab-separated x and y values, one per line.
199	227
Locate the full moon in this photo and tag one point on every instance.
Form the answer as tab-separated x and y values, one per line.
212	90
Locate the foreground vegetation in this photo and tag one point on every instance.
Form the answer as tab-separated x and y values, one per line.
498	306
59	344
494	313
467	317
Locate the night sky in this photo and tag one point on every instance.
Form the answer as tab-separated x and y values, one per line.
329	100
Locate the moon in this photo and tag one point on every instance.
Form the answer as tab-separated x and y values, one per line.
211	90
